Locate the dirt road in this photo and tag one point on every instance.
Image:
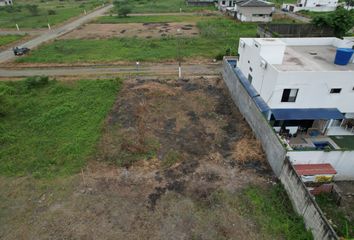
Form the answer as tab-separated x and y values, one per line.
152	70
52	34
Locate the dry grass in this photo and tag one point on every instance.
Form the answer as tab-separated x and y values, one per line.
247	150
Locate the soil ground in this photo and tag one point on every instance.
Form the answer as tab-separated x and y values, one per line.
142	30
170	154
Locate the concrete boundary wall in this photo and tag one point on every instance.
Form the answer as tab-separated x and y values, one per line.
273	148
301	199
304	204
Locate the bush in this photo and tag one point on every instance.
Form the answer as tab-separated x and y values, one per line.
51	12
124	11
36	82
33	9
122	7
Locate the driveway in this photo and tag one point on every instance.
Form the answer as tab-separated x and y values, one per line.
54	33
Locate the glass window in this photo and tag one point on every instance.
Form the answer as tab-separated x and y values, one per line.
335	90
289	95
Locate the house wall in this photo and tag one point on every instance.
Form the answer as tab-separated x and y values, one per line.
246	14
314	3
6	2
342	161
314	90
294	8
314	86
223	4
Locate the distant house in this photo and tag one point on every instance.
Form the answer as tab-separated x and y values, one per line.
253	11
6	2
311	5
226	5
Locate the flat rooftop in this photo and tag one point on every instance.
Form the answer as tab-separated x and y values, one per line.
311	58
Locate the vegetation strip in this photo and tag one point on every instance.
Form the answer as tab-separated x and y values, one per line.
220	33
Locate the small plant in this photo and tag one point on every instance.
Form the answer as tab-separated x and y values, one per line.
171	158
52	12
36	82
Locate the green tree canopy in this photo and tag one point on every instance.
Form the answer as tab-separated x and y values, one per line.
341	20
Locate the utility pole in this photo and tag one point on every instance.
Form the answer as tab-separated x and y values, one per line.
179	55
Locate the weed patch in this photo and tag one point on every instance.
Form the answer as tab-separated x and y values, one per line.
273	211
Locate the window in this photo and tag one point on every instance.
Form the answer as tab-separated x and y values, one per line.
250	78
251	70
335	90
289	95
223	2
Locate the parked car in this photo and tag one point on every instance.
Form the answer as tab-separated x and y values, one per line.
19	51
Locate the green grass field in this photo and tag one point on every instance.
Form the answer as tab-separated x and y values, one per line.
217	35
63	10
51	130
273	211
162	6
6	39
151	19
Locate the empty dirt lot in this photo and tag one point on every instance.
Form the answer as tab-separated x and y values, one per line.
141	30
172	163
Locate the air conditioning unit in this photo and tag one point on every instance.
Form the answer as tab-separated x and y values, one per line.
263	64
242	44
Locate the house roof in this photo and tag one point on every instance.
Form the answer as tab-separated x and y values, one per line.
254	3
314	169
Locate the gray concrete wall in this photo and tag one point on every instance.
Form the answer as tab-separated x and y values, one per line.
273	148
301	199
304	204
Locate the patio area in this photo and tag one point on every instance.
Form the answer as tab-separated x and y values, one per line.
304	141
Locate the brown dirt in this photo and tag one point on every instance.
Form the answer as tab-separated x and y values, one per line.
180	177
141	30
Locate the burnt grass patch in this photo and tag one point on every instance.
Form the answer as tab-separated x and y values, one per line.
181	125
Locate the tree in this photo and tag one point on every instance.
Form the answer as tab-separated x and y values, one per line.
122	7
341	20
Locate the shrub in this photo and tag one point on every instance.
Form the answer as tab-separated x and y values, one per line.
36	82
51	12
33	9
122	7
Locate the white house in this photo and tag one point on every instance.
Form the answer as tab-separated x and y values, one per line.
226	5
6	2
253	11
298	79
306	88
312	5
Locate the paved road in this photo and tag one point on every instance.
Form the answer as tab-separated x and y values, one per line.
52	34
294	16
152	70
